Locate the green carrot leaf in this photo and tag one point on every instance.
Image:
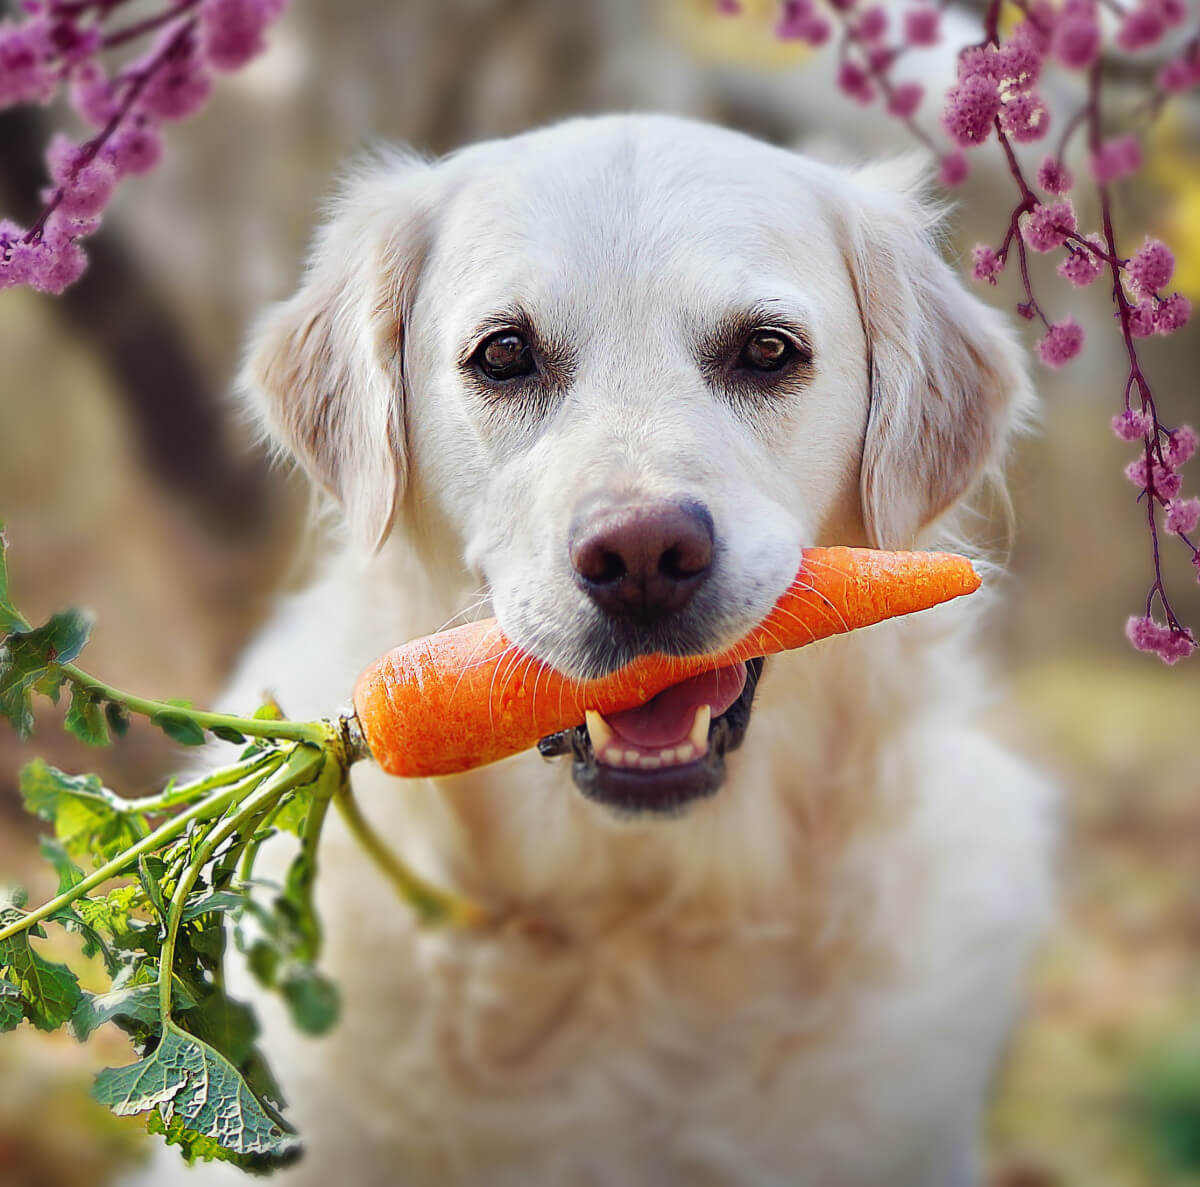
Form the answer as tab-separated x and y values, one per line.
86	718
49	992
11	1012
192	1084
179	728
134	1008
88	819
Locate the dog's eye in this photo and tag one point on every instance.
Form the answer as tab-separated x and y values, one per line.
767	350
505	355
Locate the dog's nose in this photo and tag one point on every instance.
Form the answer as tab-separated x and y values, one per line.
642	560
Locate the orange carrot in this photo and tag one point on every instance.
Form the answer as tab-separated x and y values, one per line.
466	697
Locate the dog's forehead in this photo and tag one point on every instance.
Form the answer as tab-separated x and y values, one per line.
647	215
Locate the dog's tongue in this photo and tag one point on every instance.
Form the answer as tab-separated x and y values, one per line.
666	719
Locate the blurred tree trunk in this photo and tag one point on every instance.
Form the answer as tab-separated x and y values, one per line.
173	409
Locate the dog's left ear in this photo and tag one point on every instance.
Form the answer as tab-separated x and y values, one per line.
324	371
948	380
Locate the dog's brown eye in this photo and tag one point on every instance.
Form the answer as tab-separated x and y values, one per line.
767	350
505	355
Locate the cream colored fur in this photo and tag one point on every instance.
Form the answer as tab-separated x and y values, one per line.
806	980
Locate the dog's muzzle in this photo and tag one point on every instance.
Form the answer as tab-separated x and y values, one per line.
659	757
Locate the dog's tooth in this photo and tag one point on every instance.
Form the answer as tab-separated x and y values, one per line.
668	755
649	763
698	734
631	757
598	730
686	752
612	755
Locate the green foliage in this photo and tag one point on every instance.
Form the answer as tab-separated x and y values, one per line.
134	1008
11	1010
31	660
1166	1103
47	992
179	727
189	1082
90	821
156	886
86	718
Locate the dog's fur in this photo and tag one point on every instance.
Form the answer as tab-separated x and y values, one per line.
805	979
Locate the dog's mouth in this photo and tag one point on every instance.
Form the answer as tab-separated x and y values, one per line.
660	756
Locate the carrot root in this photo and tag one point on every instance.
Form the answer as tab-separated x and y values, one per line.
463	698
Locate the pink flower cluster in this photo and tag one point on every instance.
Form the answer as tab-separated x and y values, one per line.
60	42
996	83
1169	643
1061	343
1183	72
996	96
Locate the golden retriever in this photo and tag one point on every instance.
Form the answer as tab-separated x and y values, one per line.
606	379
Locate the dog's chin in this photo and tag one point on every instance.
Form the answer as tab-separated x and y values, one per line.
670	789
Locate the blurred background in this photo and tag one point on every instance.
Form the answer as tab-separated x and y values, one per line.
129	486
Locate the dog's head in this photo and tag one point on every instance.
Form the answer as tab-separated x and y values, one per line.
626	369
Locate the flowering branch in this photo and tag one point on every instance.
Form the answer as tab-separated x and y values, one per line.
59	42
995	94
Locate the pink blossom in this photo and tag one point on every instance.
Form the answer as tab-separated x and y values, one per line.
1054	177
793	17
1141	319
1116	158
1132	424
1181	445
232	31
134	148
1172	314
1165	481
905	99
1182	516
988	265
921	26
89	190
855	82
54	262
92	94
954	169
873	23
978	60
1168	643
817	32
881	58
1081	266
1077	41
26	52
1019	60
62	157
177	87
1141	27
1173	12
1024	117
1061	343
13	254
1179	74
971	106
1151	267
800	22
1047	227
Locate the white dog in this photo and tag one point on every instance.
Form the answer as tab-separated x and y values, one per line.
609	378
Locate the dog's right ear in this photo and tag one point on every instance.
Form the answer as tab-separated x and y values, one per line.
324	371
